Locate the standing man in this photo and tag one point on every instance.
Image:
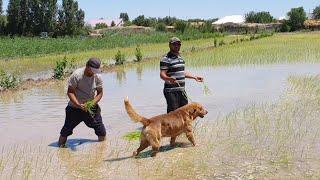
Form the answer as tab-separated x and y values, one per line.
82	87
173	73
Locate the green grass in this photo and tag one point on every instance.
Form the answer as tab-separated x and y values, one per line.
132	136
26	47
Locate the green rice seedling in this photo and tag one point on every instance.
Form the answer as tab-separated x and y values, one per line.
138	54
206	89
132	136
119	58
90	107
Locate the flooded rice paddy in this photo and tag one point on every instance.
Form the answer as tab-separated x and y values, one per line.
38	114
34	117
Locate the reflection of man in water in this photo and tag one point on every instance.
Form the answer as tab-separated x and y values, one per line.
172	72
82	87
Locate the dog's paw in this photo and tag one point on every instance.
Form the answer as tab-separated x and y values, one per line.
134	154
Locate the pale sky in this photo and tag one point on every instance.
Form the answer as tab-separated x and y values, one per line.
187	9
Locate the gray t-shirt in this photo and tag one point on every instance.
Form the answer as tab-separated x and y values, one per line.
85	87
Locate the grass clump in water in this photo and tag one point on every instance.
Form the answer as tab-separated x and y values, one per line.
132	136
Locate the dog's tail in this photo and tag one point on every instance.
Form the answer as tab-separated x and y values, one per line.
133	115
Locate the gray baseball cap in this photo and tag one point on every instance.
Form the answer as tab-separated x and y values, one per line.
174	40
94	64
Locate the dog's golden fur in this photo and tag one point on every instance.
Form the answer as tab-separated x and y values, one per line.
166	125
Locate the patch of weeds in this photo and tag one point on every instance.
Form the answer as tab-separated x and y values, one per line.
8	81
119	58
132	136
63	67
138	54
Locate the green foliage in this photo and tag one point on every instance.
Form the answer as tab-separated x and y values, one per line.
100	26
316	12
132	136
259	17
297	16
138	54
3	24
147	22
124	17
8	81
215	41
13	14
284	27
26	46
1	3
161	27
119	58
180	26
221	43
90	107
63	67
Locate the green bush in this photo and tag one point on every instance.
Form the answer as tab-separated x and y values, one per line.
138	54
119	58
8	81
180	26
63	68
161	27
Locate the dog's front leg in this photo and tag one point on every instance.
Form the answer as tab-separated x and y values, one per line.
173	141
189	135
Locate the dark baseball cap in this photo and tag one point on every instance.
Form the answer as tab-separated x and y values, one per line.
94	64
174	40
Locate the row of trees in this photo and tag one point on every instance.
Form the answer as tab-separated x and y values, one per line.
296	18
31	17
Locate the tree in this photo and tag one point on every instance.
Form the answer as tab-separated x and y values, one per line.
13	16
113	24
259	17
124	17
297	16
101	26
80	19
70	19
1	7
139	21
23	20
3	24
316	13
180	26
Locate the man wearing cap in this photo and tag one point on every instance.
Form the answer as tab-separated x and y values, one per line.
173	73
82	87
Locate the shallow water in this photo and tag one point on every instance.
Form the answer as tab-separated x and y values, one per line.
37	115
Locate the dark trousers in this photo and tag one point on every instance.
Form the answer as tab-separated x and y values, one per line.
175	100
75	116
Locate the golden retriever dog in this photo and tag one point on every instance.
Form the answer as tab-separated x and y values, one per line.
166	125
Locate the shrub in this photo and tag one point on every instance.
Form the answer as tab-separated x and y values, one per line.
180	26
8	81
63	67
161	27
138	54
119	58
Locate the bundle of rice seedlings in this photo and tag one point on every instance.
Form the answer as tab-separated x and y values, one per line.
132	136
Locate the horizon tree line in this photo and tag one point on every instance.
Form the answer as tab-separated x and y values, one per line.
31	17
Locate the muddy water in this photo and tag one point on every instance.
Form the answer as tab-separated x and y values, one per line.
37	115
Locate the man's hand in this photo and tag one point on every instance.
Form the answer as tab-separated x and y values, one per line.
81	106
198	79
171	80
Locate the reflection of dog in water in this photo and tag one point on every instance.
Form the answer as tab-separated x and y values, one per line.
166	125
